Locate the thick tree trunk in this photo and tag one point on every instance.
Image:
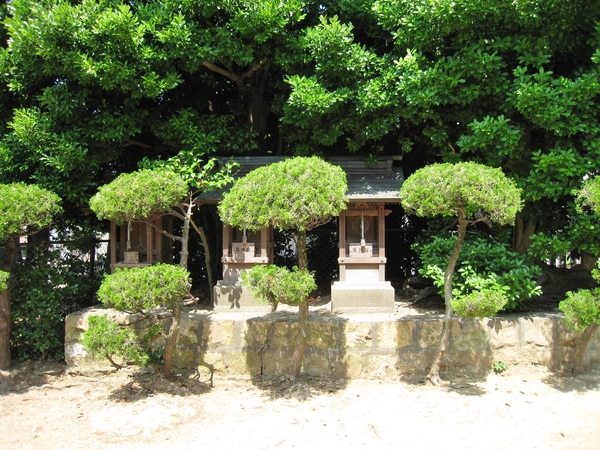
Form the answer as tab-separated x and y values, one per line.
433	376
588	261
258	112
300	344
581	346
523	232
5	320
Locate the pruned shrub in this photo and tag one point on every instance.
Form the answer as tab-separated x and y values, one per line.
273	284
139	289
106	339
581	308
483	303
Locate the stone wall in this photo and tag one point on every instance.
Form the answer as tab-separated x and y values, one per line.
355	346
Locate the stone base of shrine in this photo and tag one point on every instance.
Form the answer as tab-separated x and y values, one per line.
233	297
352	346
362	297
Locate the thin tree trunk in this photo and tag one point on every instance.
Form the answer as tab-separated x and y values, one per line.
5	330
433	376
5	320
300	344
581	346
207	261
183	262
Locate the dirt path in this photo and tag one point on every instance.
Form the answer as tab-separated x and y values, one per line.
524	408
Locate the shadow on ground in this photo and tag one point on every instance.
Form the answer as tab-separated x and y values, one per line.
26	375
563	382
144	383
302	389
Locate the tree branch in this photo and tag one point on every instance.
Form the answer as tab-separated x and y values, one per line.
231	74
160	230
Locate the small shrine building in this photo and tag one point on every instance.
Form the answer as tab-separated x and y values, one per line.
361	286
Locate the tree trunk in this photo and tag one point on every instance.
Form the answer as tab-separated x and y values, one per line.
302	253
300	344
523	232
207	262
5	320
258	111
581	346
433	376
5	329
588	261
183	262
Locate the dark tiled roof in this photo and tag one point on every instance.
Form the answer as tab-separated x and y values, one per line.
378	182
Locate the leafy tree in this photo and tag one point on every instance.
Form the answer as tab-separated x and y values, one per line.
106	339
582	314
24	210
99	85
582	308
274	285
483	264
299	193
471	193
46	286
139	195
138	291
503	83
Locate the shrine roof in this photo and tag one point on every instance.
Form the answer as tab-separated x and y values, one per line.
378	182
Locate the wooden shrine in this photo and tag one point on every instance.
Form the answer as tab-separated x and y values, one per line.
139	244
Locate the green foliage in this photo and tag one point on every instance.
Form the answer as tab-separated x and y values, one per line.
4	280
443	189
482	266
299	193
44	289
138	195
138	290
500	367
195	172
479	303
581	308
25	208
589	195
274	284
106	339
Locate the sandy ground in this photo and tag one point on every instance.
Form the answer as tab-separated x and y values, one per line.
43	406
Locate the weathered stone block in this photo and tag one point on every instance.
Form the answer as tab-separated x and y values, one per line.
503	334
321	334
469	335
429	333
404	333
359	335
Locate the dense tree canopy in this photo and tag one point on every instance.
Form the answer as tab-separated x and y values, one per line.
471	193
508	84
92	88
298	193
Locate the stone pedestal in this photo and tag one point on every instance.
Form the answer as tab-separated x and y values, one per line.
231	296
362	297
